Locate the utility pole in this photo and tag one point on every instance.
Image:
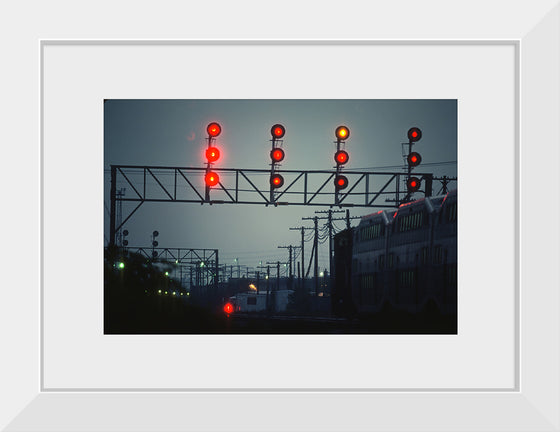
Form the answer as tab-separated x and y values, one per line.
261	267
277	274
302	228
330	227
316	270
316	248
445	181
113	205
119	196
267	287
217	270
290	248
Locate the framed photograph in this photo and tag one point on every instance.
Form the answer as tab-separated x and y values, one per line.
497	371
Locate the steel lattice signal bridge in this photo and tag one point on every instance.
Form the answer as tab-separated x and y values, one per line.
252	186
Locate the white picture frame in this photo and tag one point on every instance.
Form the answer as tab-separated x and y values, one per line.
531	405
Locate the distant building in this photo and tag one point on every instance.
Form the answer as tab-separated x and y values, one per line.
253	302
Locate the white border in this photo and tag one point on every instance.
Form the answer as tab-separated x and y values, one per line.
484	347
534	407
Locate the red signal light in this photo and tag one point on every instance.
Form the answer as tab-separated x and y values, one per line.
277	155
211	178
413	184
228	308
212	154
213	129
341	157
414	159
276	181
340	182
277	131
414	134
342	133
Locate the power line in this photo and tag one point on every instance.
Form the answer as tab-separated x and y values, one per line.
400	166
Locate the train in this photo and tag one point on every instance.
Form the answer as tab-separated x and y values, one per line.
402	259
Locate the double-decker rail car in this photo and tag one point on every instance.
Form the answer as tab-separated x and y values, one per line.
444	255
407	258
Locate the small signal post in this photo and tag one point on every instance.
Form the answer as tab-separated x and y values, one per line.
211	178
413	160
341	157
276	155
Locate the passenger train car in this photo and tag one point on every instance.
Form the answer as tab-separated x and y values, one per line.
405	258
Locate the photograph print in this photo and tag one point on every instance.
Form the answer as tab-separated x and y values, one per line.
280	216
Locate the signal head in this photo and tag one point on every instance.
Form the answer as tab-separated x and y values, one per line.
414	159
340	182
342	133
277	131
277	154
228	308
414	134
212	154
341	157
211	178
213	129
413	184
276	181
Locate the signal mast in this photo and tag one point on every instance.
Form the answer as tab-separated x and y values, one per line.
211	178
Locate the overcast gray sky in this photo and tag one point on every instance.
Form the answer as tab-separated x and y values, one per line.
173	132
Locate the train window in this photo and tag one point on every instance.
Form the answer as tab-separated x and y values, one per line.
406	278
452	275
437	255
381	261
251	300
411	222
424	255
371	232
453	212
390	260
